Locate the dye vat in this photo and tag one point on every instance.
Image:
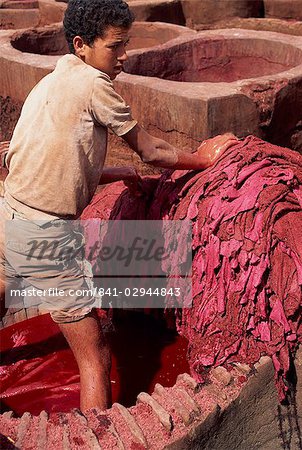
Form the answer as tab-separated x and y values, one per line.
16	14
188	88
19	14
207	11
20	4
146	35
41	41
32	54
185	415
170	11
36	359
51	40
243	81
291	27
190	12
213	60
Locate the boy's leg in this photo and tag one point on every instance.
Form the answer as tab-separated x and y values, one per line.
73	314
92	354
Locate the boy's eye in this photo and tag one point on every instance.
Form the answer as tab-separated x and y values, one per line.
117	46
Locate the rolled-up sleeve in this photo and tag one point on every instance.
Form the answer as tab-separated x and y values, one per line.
109	108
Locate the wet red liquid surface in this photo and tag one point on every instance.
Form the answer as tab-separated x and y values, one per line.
38	371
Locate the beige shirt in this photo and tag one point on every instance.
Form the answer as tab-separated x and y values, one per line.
59	145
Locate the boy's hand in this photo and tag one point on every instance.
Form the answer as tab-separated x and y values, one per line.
133	181
127	174
210	149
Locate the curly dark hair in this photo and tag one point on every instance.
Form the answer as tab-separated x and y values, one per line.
90	19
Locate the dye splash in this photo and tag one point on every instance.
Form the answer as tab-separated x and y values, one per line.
247	252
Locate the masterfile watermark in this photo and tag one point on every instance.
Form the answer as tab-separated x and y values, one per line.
115	263
139	249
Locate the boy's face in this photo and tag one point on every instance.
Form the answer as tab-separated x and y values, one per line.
107	53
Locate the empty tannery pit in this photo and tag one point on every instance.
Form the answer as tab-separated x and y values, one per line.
15	15
51	40
203	84
218	80
214	60
31	54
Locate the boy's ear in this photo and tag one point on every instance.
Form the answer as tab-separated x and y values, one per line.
79	46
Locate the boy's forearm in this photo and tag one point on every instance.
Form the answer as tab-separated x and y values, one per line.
151	150
160	153
169	157
112	174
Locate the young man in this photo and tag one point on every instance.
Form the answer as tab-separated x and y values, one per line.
56	160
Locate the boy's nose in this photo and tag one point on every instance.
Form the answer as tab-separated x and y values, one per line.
123	55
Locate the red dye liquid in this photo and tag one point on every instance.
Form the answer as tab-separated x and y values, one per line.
38	370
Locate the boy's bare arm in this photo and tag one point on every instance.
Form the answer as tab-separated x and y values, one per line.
160	153
112	174
127	174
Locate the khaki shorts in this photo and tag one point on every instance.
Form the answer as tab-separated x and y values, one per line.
43	264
